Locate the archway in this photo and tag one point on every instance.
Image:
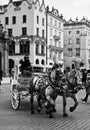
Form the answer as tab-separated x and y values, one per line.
11	65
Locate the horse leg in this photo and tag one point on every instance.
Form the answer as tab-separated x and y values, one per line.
50	111
53	108
31	101
73	96
49	108
64	105
39	103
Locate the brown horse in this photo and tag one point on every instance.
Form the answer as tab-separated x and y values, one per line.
67	88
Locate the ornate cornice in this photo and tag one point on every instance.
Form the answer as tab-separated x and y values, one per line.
54	12
83	21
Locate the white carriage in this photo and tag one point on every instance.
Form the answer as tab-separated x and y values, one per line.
20	87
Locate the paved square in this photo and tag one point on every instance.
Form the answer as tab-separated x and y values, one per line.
22	119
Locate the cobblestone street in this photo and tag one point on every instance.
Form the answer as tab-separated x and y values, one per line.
22	119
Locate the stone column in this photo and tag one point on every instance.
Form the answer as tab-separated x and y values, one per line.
6	61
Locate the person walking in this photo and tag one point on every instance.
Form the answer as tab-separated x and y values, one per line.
84	76
87	87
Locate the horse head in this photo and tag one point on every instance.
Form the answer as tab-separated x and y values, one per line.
55	74
74	78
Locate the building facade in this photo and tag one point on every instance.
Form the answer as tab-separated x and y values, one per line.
54	24
3	52
25	21
77	42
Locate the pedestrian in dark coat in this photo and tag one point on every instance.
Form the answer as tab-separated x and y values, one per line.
84	76
87	87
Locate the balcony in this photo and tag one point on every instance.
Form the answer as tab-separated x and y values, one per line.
70	45
56	38
55	48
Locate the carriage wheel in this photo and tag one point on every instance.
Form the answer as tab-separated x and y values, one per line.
15	99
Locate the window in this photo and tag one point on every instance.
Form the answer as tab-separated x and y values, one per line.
59	34
6	20
24	47
69	32
43	21
37	48
10	32
77	51
70	41
37	61
89	52
55	54
50	54
55	32
42	49
24	31
59	56
55	43
55	23
37	31
42	62
37	19
51	21
69	52
14	20
77	41
24	18
43	33
59	44
77	32
51	42
11	48
59	25
51	32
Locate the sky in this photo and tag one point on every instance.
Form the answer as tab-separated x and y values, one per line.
68	8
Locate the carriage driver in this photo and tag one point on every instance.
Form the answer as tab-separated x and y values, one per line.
26	68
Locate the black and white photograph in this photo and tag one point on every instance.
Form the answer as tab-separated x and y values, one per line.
44	65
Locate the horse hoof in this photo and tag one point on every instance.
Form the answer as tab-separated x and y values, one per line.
39	109
54	110
73	108
47	112
51	116
65	115
32	112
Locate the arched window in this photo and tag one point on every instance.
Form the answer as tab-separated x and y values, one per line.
37	61
50	63
42	49
11	48
37	48
24	47
42	62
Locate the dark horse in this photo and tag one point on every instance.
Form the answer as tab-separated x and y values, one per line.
44	91
67	86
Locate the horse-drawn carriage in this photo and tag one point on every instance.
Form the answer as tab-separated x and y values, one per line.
29	85
43	85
